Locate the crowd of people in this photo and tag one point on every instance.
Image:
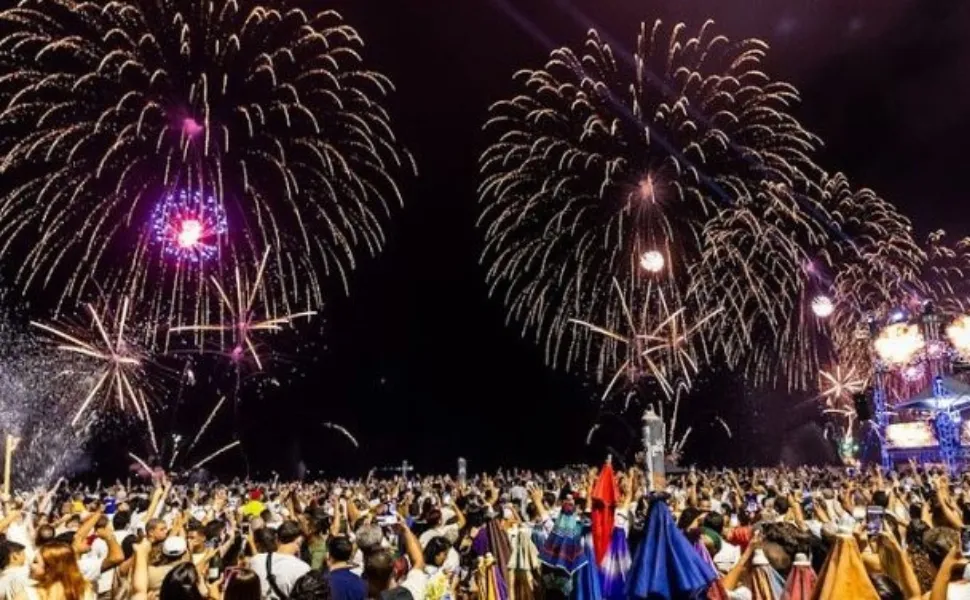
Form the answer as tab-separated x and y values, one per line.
597	534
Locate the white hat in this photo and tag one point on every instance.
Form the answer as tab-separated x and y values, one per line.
174	546
801	560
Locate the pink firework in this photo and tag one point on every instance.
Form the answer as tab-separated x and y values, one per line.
189	225
244	324
191	127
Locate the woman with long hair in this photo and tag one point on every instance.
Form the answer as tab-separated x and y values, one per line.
56	576
242	584
182	583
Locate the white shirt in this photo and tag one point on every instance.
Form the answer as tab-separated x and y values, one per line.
99	551
726	557
286	570
416	582
958	590
90	566
13	580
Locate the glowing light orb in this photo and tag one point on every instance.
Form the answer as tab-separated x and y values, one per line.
652	261
959	335
188	225
822	306
899	343
190	233
191	127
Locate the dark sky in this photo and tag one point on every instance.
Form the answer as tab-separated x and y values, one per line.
417	361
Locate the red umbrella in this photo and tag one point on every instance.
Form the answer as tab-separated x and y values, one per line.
604	505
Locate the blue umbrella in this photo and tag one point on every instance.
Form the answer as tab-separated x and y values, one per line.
666	566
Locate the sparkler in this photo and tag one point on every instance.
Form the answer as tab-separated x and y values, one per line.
121	363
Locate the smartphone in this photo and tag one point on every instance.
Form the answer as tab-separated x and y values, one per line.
874	519
965	542
751	503
387	520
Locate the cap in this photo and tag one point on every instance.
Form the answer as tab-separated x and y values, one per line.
174	546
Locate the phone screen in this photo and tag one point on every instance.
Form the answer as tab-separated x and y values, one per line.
874	517
965	542
751	503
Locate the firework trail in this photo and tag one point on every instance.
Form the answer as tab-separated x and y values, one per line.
168	457
660	354
189	135
242	322
343	431
218	452
120	364
606	166
945	274
759	256
872	266
838	386
208	421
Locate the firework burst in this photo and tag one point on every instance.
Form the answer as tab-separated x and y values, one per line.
661	353
109	109
946	273
604	160
242	321
188	228
872	264
839	385
120	363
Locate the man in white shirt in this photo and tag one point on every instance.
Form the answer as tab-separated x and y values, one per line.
728	554
279	568
16	573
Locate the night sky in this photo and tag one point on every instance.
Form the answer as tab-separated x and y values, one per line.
418	362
